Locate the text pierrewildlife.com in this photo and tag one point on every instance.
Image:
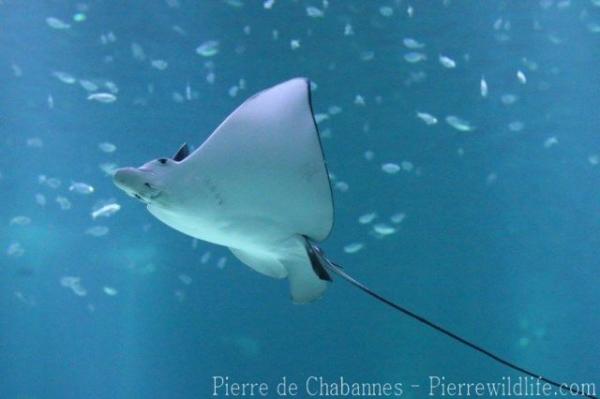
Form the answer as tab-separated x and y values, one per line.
318	386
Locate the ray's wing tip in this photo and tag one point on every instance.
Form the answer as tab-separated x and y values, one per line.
297	79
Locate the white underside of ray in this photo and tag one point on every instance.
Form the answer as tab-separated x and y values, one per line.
257	185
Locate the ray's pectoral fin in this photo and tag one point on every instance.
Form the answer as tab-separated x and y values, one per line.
299	260
307	275
305	285
263	263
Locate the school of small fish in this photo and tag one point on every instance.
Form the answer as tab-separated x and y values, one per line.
422	72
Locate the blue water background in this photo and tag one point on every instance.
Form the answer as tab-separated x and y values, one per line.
501	237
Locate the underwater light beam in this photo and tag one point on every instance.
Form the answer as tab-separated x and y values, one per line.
259	185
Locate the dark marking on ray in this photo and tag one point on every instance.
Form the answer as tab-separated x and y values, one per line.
182	153
213	189
317	261
312	114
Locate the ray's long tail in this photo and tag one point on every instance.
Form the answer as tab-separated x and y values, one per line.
335	269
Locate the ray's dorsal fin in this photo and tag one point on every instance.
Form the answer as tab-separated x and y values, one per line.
182	153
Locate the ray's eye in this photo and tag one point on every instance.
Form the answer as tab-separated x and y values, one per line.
162	161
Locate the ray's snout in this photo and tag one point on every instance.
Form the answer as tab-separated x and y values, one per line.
126	178
136	182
